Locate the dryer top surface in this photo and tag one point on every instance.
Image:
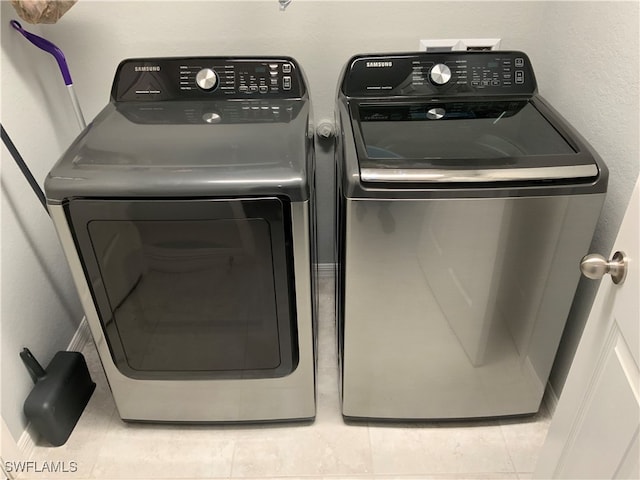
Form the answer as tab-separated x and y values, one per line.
188	148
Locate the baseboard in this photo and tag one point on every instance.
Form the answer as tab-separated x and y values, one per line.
81	337
27	442
9	451
550	399
326	269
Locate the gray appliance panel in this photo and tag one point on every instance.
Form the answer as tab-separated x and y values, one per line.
169	149
454	308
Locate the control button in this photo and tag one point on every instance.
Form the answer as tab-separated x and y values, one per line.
243	88
207	79
273	66
211	117
475	83
286	83
495	83
520	62
273	74
440	74
264	89
286	68
253	88
520	76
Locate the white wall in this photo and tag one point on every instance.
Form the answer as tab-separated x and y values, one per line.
39	308
321	35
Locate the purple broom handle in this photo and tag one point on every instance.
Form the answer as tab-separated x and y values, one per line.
47	46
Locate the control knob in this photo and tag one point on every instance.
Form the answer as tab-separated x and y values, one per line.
207	79
440	74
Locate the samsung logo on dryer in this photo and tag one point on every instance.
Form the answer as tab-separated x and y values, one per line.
379	64
147	68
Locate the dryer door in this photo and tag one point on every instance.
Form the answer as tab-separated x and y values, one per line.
191	288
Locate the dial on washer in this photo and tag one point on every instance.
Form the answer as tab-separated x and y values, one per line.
440	74
207	79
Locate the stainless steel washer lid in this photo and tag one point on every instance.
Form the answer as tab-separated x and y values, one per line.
463	141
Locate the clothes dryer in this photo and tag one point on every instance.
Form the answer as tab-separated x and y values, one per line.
185	211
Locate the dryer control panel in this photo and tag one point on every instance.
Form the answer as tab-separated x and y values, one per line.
214	112
440	74
207	78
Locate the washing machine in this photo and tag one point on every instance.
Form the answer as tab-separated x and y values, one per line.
464	205
185	211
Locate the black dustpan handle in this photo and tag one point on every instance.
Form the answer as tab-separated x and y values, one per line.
23	167
35	369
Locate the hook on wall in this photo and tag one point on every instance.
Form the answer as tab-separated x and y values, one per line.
284	4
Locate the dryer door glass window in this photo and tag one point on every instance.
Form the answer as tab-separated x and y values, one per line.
195	289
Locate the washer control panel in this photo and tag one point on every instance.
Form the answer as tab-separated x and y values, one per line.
440	74
207	78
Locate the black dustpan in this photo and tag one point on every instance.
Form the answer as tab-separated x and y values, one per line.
59	396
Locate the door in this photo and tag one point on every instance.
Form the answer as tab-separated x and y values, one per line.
197	289
594	431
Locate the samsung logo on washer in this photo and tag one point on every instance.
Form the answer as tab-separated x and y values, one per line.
379	64
147	68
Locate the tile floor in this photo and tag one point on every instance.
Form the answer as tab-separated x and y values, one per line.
104	447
